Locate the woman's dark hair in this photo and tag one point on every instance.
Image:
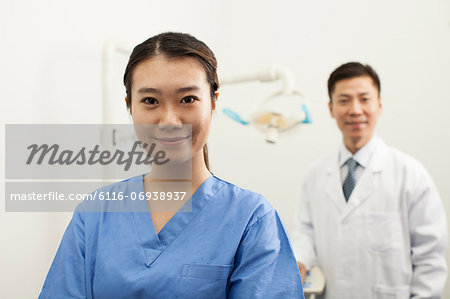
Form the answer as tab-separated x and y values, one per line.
351	70
174	45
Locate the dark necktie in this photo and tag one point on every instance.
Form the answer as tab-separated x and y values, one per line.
350	180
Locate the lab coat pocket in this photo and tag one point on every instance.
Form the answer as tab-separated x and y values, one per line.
390	292
204	281
384	232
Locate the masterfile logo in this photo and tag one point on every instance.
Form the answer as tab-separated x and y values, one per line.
55	167
53	155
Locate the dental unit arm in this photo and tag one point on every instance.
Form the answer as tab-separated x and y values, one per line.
277	113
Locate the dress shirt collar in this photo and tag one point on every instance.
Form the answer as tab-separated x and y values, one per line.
362	156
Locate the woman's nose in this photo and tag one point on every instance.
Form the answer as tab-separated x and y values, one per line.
169	119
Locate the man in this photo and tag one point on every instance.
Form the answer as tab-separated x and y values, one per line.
370	216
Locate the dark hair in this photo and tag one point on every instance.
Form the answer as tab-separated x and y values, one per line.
350	70
174	45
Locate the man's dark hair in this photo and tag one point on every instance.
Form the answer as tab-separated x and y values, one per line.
351	70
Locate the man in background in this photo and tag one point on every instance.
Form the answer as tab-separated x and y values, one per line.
370	216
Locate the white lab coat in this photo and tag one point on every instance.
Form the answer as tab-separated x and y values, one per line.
388	241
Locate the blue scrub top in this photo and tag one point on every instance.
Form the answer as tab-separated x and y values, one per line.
231	245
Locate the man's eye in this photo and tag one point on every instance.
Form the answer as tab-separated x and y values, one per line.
150	101
188	99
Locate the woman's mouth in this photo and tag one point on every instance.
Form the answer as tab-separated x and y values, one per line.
171	141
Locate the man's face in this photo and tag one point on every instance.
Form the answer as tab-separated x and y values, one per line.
356	106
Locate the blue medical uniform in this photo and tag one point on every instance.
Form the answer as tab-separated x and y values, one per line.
232	244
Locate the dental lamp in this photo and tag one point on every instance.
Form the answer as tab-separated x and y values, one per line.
282	111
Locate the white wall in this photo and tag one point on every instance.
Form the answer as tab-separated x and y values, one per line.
51	73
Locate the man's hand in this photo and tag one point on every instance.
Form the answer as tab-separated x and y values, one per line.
302	269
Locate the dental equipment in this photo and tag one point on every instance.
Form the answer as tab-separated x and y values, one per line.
278	113
314	283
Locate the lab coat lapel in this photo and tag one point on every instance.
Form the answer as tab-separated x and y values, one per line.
333	187
369	181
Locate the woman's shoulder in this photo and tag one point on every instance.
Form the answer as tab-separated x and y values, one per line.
240	192
242	199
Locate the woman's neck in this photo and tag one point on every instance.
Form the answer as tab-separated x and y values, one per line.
193	170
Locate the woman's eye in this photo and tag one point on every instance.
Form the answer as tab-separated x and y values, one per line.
188	100
150	101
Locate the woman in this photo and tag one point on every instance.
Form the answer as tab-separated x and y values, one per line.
229	243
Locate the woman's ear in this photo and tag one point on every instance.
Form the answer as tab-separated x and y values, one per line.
214	102
126	101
